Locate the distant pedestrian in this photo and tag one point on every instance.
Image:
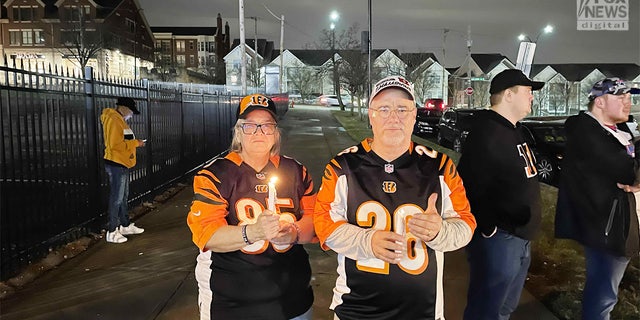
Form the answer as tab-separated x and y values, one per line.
390	208
119	156
500	177
596	206
251	263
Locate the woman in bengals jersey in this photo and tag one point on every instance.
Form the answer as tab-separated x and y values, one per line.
251	264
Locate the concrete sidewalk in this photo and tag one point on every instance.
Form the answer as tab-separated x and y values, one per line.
151	275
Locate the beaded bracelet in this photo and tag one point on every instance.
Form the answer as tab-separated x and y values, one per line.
244	234
297	234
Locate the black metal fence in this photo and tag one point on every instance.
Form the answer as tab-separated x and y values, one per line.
52	181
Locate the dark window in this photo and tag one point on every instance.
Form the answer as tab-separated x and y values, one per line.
76	13
131	25
68	37
24	14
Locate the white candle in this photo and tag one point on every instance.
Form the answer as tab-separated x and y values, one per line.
271	202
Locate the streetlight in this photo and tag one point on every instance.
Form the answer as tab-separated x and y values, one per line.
333	16
528	48
547	29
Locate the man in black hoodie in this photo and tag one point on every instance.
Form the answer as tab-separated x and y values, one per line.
500	176
596	206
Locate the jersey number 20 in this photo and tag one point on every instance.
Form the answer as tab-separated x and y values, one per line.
374	215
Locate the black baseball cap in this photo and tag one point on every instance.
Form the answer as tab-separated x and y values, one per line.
129	103
510	78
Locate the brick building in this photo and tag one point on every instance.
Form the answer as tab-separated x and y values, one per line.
112	35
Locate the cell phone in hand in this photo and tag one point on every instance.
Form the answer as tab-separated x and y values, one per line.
144	140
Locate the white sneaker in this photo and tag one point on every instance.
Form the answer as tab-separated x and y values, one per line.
116	237
131	229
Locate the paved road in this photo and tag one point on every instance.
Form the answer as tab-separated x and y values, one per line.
151	275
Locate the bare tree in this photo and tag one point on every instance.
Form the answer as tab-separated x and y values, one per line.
344	40
353	71
424	82
82	39
481	93
165	69
539	101
302	78
255	76
387	66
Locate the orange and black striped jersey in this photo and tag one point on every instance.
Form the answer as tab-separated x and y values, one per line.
262	278
361	189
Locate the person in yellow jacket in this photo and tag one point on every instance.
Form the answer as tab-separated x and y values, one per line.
119	156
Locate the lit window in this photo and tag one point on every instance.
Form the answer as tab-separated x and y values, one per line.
15	37
38	37
27	37
180	59
180	46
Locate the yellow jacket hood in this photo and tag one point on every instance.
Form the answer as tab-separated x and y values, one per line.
119	141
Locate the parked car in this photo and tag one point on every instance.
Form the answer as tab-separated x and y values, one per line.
545	136
454	126
295	96
428	116
332	100
547	140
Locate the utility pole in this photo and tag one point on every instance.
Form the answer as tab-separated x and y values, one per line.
369	59
254	64
469	43
445	31
281	45
243	58
281	48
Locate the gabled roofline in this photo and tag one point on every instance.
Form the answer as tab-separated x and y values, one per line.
8	3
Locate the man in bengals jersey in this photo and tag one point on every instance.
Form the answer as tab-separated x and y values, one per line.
390	208
499	172
251	263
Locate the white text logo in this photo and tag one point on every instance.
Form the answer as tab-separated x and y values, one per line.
610	15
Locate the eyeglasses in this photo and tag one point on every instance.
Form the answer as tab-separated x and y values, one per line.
252	128
385	112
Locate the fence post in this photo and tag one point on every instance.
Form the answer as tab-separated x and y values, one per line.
182	117
93	181
149	137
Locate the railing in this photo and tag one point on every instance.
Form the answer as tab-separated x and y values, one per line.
53	184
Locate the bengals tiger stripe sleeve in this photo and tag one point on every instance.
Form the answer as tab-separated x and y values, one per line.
328	217
458	224
307	206
208	210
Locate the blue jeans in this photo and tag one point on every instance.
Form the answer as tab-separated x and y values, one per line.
497	270
604	273
118	195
